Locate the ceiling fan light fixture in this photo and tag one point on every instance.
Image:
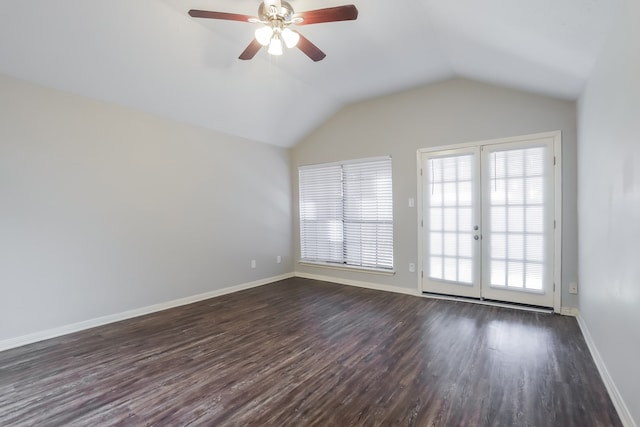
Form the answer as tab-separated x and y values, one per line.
275	47
290	38
264	34
275	16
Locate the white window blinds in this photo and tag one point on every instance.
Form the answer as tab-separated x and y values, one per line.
519	186
346	213
451	218
321	226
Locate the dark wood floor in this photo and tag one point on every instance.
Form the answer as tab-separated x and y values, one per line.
301	352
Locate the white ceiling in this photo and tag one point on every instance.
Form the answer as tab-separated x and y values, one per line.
150	55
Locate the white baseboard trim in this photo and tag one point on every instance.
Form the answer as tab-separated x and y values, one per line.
569	311
99	321
357	283
616	398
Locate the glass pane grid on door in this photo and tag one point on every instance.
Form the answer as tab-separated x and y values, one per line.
517	220
450	219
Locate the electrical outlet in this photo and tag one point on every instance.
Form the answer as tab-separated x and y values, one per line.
412	267
412	202
253	263
278	259
573	287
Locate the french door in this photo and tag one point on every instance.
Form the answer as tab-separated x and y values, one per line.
488	228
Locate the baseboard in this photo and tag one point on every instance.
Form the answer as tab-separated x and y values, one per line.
357	283
92	323
616	398
569	311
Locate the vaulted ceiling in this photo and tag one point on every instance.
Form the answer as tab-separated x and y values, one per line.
150	55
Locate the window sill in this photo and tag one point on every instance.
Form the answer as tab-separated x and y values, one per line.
348	268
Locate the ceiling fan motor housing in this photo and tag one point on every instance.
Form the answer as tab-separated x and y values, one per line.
270	13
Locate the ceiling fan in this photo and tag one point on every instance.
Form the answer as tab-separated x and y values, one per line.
276	16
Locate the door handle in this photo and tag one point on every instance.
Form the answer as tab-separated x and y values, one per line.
476	237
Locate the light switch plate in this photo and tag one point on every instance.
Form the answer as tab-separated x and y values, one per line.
573	287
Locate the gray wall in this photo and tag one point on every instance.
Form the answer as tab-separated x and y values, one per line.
609	205
104	210
450	112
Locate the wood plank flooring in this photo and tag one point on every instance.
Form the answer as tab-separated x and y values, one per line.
306	353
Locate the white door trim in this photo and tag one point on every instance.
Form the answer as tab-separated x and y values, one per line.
557	235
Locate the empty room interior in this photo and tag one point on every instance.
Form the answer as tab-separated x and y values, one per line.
318	213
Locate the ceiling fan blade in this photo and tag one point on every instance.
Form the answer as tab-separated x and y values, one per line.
330	14
310	49
219	15
251	50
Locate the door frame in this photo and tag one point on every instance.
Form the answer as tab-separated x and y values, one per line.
557	198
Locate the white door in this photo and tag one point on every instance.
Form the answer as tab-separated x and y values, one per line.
517	242
451	224
488	227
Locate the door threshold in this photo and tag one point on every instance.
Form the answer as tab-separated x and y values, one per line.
492	303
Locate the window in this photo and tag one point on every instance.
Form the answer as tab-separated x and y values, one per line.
346	213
